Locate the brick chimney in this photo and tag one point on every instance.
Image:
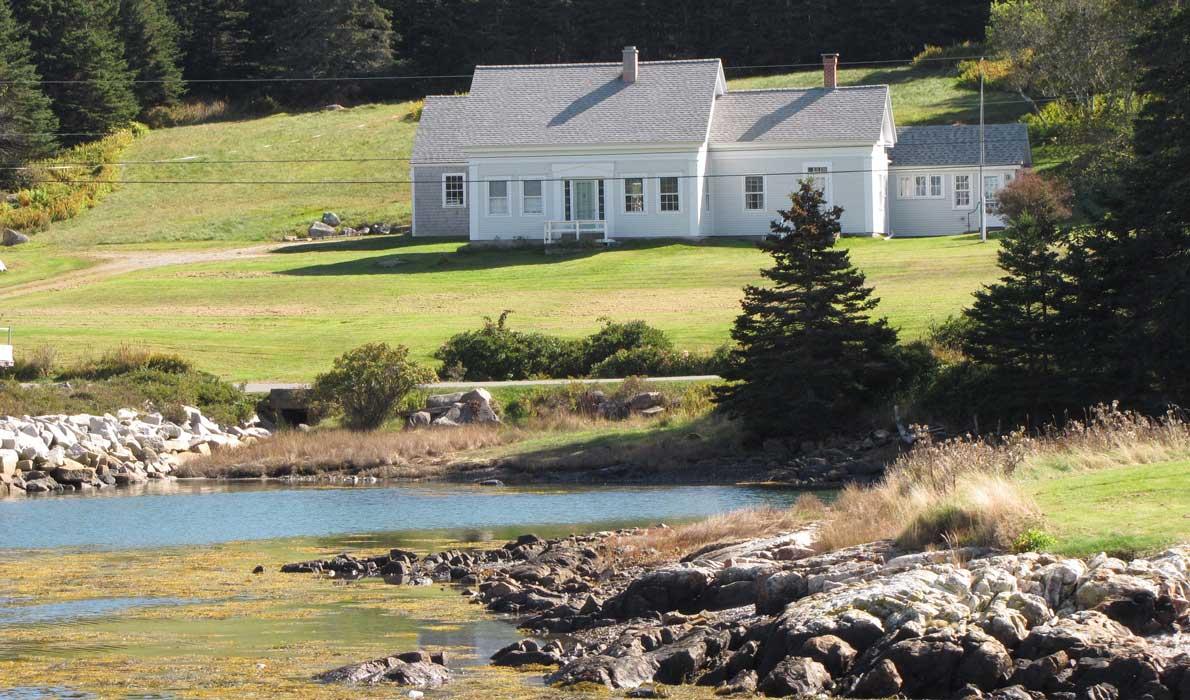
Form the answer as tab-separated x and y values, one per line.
830	70
631	64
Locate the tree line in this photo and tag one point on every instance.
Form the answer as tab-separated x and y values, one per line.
105	62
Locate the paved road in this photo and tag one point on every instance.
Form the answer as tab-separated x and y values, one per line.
266	387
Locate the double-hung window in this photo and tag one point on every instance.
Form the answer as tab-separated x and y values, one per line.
532	202
936	186
498	198
754	192
962	191
453	192
706	193
671	201
634	195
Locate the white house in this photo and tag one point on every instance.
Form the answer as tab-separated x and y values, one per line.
663	149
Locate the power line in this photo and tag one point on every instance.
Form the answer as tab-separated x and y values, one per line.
438	181
389	159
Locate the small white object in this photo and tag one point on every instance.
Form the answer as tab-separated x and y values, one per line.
415	694
2	267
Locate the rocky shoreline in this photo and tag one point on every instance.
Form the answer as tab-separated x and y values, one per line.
58	453
775	617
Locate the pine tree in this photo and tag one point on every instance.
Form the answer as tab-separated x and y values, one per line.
1016	325
75	40
27	124
216	40
339	38
810	356
150	39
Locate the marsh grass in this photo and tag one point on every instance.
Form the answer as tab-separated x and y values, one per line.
974	491
660	544
382	453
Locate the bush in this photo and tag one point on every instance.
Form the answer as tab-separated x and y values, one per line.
615	337
126	359
496	352
64	191
951	334
38	364
659	362
940	56
1044	199
367	384
1033	540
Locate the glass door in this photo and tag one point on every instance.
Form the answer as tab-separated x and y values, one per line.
584	200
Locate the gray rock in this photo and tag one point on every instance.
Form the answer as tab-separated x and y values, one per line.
11	238
331	219
663	590
830	651
797	677
623	672
320	230
883	681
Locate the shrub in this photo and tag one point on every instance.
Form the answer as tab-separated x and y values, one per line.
369	382
1044	199
1033	540
942	54
614	337
38	364
658	362
496	352
951	334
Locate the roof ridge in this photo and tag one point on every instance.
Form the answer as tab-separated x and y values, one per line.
446	97
592	63
806	89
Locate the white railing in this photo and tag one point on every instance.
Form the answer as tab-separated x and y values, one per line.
555	231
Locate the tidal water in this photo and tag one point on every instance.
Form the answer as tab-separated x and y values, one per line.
201	512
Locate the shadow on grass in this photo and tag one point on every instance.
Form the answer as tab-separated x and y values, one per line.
467	258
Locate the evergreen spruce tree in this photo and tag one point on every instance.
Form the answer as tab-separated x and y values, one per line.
810	357
76	40
27	123
150	39
1132	307
1016	325
339	38
216	39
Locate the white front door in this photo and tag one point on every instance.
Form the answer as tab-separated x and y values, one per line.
584	200
991	187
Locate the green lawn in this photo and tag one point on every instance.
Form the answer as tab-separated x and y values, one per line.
35	261
287	314
1122	510
919	95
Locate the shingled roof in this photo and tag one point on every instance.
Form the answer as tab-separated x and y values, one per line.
800	115
1006	144
589	104
441	130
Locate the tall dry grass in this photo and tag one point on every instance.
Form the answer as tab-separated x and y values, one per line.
667	544
409	454
967	490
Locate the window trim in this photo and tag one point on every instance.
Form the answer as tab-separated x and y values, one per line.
912	177
644	195
677	177
706	193
507	195
521	200
828	192
954	192
463	178
764	194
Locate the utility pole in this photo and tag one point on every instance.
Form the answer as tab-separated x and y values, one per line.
983	205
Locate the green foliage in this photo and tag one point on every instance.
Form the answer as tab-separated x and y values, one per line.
495	352
150	38
27	122
1034	540
810	358
614	337
1045	200
941	56
77	40
350	38
142	389
65	192
368	383
653	361
950	334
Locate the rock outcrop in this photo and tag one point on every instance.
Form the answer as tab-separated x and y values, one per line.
415	669
452	410
46	454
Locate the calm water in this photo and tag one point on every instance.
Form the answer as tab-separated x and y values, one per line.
195	513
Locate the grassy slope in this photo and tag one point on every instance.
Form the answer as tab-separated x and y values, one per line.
138	213
286	315
1126	510
36	261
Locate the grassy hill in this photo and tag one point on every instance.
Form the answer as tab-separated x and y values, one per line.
139	213
286	314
